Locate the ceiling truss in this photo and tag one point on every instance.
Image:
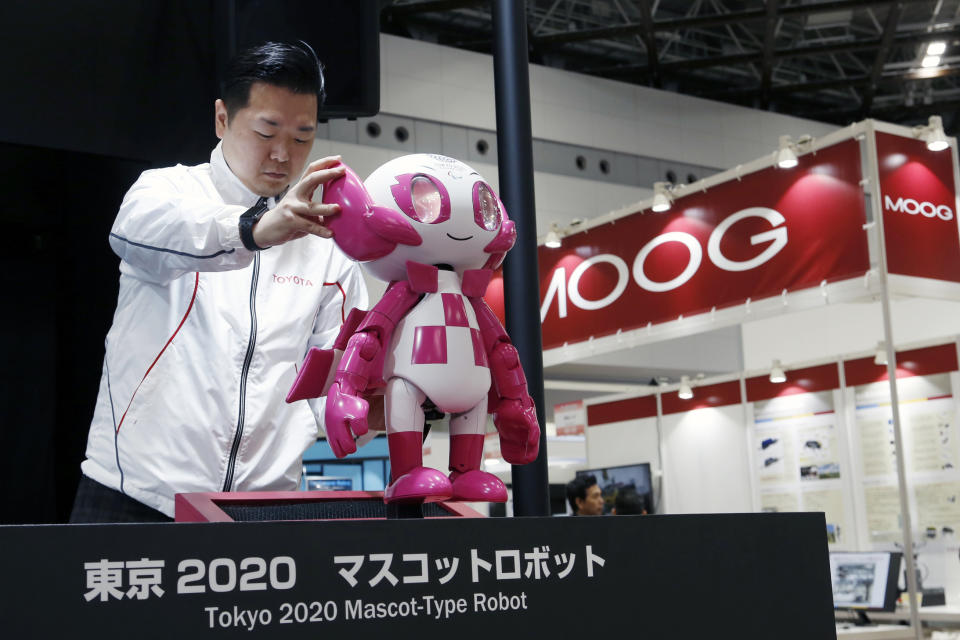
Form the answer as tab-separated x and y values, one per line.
831	60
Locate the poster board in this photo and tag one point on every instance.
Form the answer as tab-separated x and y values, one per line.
798	460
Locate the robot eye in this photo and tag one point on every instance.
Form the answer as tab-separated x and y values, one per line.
425	198
486	207
422	198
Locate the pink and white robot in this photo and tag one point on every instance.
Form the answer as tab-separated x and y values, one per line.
435	230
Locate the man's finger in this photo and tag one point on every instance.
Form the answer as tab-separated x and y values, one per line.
307	225
325	210
314	209
311	181
323	163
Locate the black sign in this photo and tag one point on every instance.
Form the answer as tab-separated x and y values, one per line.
764	575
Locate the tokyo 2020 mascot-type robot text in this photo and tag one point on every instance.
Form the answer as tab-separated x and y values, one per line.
435	230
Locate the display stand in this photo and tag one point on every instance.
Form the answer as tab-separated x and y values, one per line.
260	506
760	575
864	213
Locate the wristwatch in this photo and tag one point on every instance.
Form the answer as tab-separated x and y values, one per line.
247	220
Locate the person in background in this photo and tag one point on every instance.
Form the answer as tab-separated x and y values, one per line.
629	502
584	496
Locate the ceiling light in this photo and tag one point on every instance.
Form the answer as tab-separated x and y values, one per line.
776	373
936	48
685	392
552	241
930	61
786	157
661	197
881	356
935	136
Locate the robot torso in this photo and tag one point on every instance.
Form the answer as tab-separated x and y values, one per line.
437	346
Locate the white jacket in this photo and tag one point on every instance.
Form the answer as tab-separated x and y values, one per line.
205	341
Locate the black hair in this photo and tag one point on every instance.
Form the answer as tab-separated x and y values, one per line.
629	502
577	488
292	66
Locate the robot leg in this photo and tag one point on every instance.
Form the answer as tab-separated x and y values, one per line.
466	449
410	481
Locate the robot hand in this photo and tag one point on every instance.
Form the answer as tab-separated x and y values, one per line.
516	421
346	419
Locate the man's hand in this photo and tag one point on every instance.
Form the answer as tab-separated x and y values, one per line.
295	216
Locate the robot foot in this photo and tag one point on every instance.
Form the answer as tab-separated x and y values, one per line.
478	486
420	484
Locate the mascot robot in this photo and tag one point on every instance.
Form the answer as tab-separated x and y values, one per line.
435	230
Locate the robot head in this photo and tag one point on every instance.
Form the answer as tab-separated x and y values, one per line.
454	211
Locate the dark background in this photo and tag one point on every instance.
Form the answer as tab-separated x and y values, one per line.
95	92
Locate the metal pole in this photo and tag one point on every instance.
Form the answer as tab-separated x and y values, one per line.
521	281
662	498
749	426
874	178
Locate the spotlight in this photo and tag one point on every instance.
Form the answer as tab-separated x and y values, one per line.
661	197
685	392
552	241
929	62
936	48
786	157
935	136
776	373
881	356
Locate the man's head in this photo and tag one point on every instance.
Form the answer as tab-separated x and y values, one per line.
267	116
584	496
629	502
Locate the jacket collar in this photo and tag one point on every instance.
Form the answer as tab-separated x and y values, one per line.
231	189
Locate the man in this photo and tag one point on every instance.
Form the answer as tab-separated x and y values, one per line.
584	496
227	277
628	502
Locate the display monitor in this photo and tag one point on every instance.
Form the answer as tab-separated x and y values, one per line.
611	480
865	581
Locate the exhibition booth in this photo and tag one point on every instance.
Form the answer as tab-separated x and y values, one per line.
864	218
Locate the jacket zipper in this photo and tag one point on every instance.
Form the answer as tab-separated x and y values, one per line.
251	344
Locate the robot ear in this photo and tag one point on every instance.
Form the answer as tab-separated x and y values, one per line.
363	230
504	239
499	246
392	225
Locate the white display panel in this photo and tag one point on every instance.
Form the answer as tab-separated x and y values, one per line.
706	468
931	456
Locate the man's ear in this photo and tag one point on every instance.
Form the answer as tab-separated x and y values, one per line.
579	502
219	118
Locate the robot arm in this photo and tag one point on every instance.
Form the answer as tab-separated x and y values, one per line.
513	411
346	411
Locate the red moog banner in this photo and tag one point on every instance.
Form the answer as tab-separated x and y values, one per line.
918	198
752	238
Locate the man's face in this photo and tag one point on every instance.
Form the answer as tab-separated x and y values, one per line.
593	504
266	144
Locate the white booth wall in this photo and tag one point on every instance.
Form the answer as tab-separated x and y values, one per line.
825	332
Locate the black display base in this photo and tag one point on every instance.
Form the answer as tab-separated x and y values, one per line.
684	576
401	511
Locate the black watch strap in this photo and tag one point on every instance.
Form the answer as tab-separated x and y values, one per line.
248	219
